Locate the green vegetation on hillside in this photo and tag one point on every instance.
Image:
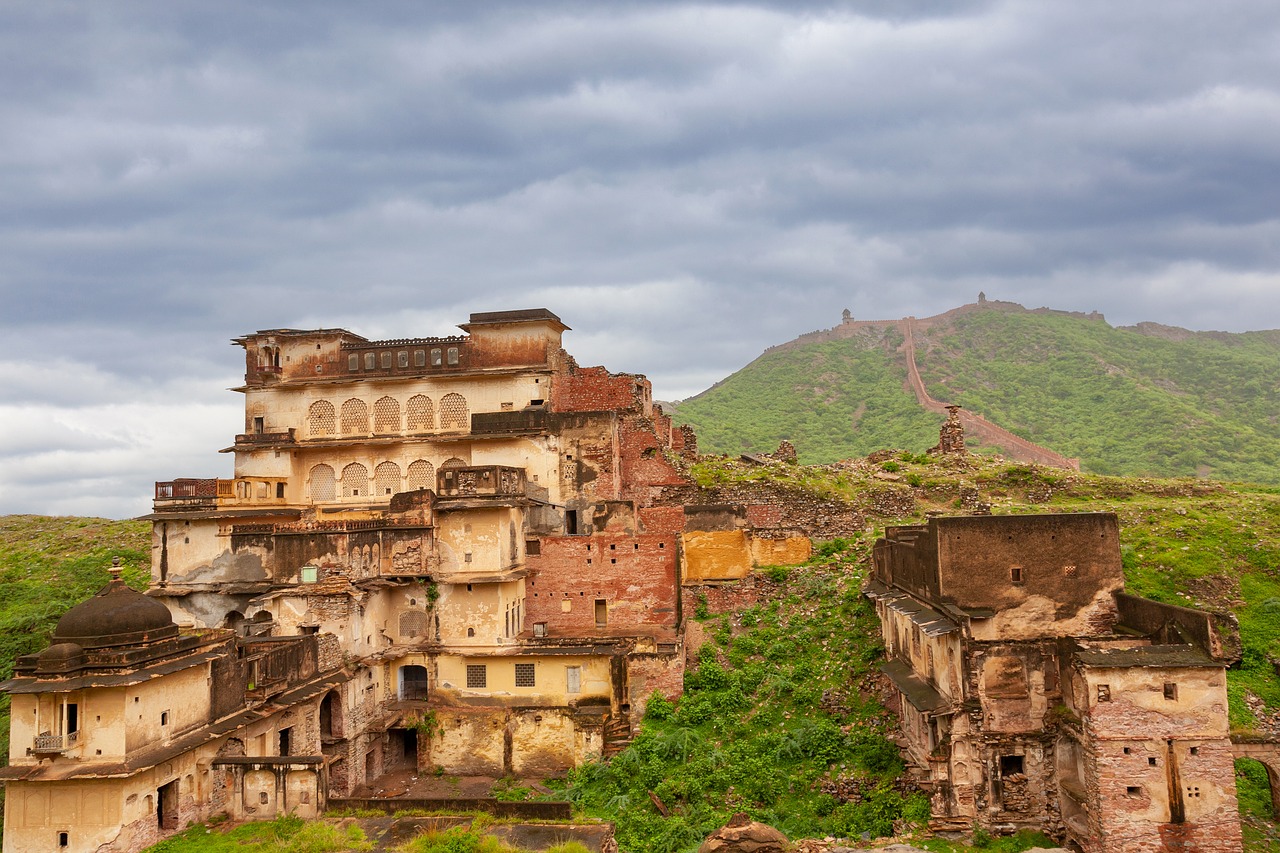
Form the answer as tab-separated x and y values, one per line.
781	705
832	400
48	565
1124	402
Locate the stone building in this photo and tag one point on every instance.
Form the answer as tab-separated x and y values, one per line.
465	538
1036	693
128	727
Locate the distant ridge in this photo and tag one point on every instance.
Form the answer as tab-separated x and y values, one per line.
1058	388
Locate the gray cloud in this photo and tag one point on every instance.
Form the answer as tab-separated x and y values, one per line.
684	183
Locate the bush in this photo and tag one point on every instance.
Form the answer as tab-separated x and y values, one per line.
658	708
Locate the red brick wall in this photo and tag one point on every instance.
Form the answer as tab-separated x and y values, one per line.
640	587
647	674
730	597
662	519
594	389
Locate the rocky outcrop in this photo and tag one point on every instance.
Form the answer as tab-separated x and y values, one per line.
744	835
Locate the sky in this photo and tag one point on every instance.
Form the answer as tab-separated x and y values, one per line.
684	184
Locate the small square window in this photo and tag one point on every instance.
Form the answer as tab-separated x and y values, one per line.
1011	765
1133	791
419	358
1151	760
1195	750
164	718
1015	574
524	675
1126	750
477	675
1069	570
1170	690
1104	692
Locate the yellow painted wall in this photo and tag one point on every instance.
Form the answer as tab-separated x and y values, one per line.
715	555
781	552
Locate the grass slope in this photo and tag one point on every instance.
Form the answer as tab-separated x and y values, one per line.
47	565
1125	403
833	400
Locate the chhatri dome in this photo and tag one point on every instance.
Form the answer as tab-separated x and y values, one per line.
116	616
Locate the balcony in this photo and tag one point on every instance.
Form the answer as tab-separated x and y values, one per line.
209	494
485	481
267	439
46	743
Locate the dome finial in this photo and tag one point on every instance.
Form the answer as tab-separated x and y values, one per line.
115	569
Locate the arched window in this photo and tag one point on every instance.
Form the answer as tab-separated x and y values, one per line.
322	485
386	415
420	413
320	418
421	475
386	479
355	481
453	412
455	462
355	416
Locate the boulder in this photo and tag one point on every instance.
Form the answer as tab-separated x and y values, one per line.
744	835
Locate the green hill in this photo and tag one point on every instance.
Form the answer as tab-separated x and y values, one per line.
1141	401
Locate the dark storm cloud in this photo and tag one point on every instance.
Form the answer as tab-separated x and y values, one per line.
684	183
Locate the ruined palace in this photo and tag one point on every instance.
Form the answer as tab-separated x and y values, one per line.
448	553
1036	693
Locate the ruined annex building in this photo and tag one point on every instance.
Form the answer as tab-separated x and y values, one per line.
1036	693
442	553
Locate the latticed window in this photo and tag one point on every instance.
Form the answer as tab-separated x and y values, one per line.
453	412
421	413
320	418
355	416
454	462
413	623
524	675
355	480
386	478
386	415
421	475
477	675
322	484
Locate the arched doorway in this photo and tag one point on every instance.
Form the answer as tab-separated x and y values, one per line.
1257	789
413	683
331	728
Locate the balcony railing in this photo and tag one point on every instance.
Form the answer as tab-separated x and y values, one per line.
55	743
289	436
190	488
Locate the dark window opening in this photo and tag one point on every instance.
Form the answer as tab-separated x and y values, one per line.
286	735
413	682
1195	750
1015	574
1011	765
602	613
571	522
64	839
1133	791
1170	690
279	491
1151	761
73	718
533	547
259	426
1104	692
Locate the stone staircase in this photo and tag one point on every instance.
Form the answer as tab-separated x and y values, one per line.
617	736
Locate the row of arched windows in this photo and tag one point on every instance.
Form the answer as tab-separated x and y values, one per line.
387	479
419	416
